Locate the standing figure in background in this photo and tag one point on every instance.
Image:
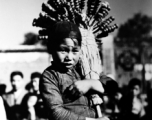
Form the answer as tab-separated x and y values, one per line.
133	106
112	101
14	100
34	102
2	89
149	107
2	110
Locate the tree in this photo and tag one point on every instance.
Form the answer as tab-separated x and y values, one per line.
30	39
33	39
135	32
134	35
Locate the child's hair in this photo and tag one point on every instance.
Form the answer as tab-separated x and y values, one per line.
35	75
133	82
61	30
16	73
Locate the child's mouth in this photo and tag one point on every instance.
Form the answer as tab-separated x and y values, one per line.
68	64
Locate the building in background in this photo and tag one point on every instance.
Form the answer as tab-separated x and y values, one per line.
26	59
108	56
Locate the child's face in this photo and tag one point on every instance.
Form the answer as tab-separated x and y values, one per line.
66	54
17	82
35	83
136	90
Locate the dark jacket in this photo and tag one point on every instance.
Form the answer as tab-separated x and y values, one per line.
15	108
61	104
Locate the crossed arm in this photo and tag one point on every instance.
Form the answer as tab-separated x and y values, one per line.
54	102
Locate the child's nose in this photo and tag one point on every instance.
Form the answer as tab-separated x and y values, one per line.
69	55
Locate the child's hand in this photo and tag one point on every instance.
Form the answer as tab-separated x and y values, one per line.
83	86
80	87
101	118
77	89
32	101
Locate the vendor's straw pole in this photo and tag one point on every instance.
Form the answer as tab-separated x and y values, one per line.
91	63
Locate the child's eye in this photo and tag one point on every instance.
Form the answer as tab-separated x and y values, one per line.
62	51
76	50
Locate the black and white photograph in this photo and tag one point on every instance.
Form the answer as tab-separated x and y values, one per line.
75	59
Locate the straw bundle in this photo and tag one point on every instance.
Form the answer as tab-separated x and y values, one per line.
90	58
90	16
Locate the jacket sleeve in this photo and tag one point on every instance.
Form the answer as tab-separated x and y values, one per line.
53	100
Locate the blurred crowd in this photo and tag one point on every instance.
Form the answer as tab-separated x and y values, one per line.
130	103
25	103
22	103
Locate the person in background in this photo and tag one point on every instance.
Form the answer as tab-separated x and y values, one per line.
112	102
149	107
14	101
34	101
133	105
2	110
64	91
2	89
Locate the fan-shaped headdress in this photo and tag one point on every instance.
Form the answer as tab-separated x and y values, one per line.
90	17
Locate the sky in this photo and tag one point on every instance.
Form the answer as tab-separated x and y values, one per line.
16	16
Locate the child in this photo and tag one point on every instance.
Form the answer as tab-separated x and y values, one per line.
64	92
134	106
34	100
14	100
